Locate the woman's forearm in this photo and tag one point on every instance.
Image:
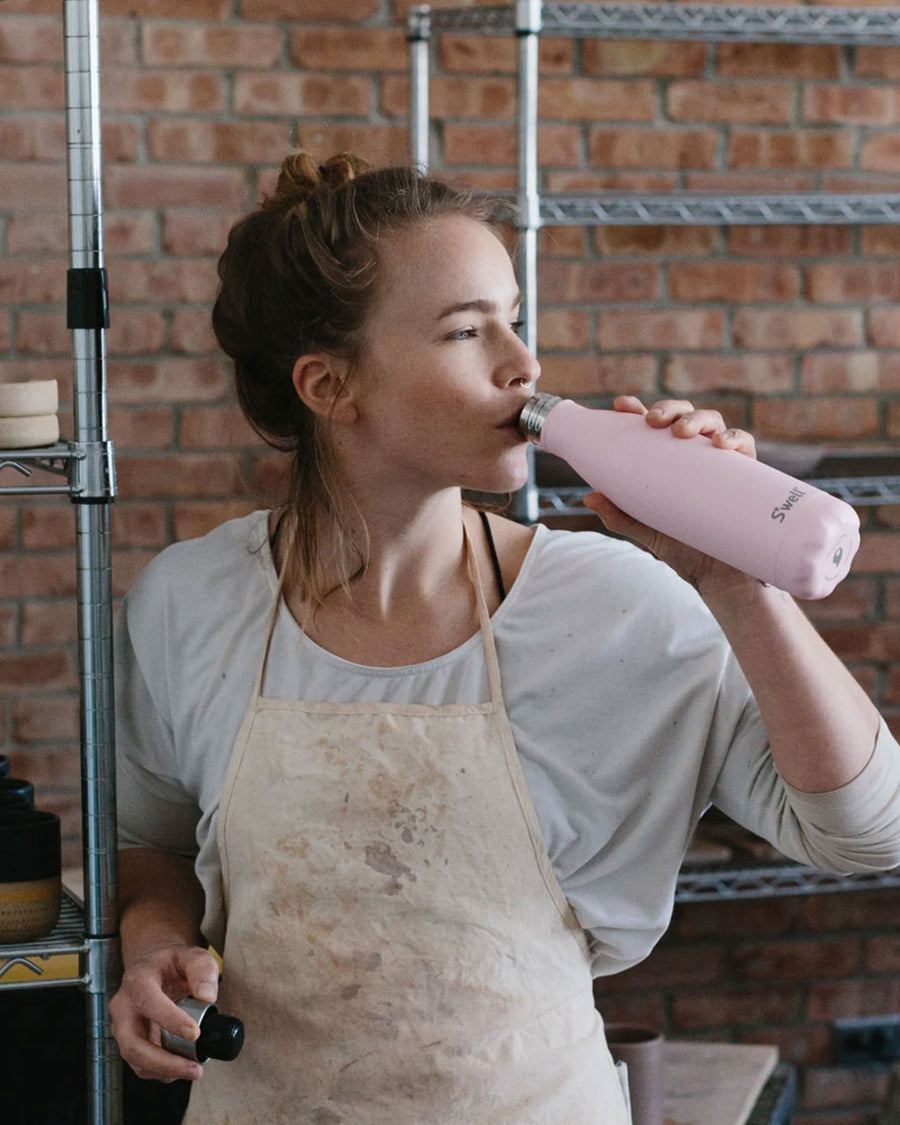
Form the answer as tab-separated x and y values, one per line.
821	724
161	902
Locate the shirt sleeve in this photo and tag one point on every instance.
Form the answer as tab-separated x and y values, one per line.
154	810
855	828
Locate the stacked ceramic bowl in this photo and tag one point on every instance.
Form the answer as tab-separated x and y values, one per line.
30	856
28	414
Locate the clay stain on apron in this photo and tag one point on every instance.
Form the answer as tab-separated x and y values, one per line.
380	858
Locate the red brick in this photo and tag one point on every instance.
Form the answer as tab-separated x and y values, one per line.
200	44
777	60
474	54
671	241
183	9
156	186
796	149
52	718
695	1011
42	575
648	148
31	138
126	90
851	999
138	525
192	520
880	241
46	671
379	144
141	427
217	142
123	233
653	329
606	57
858	371
585	99
756	374
599	375
856	105
8	522
48	525
335	11
24	40
144	280
763	103
732	281
796	960
32	88
801	328
853	282
791	242
558	145
880	154
179	475
192	332
49	622
883	328
290	94
590	282
166	380
883	954
450	97
8	623
878	553
216	427
867	642
192	233
877	62
815	419
767	182
350	48
563	329
42	333
33	187
562	242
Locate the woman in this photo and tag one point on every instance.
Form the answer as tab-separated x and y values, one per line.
418	772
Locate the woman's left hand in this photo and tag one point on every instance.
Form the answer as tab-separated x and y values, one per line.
686	422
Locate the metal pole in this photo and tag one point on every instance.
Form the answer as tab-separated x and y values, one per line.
418	35
528	26
93	490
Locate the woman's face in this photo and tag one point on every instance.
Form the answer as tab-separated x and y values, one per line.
443	373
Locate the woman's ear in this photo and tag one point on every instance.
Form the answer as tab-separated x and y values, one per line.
320	382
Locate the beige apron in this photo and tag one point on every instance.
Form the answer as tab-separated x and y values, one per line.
397	944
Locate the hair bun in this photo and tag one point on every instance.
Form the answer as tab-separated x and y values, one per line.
300	176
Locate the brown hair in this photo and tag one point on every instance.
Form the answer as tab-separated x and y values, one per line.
299	274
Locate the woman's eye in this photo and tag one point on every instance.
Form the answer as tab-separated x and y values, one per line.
463	334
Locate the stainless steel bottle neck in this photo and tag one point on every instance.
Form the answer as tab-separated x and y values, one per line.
531	420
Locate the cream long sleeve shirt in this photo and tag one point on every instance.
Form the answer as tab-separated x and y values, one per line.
629	711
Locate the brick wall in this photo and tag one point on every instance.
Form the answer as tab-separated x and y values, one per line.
792	332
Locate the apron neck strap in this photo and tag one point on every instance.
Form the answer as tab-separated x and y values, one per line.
484	624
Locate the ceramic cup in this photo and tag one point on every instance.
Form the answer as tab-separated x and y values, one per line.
641	1049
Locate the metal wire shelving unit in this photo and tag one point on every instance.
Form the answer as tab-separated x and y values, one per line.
527	20
83	950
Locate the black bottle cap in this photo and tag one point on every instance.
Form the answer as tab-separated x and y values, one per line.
221	1037
15	793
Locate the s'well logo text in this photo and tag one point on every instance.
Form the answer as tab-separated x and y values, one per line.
782	510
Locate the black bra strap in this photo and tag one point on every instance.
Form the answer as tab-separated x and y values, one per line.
494	560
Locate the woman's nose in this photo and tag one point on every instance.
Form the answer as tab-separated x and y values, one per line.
520	365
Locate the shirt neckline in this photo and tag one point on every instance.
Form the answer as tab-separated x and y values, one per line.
285	619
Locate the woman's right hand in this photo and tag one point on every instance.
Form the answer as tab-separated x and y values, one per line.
145	1005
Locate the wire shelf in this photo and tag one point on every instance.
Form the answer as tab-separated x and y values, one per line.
53	960
708	22
704	885
693	208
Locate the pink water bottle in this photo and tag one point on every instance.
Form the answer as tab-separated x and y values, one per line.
742	512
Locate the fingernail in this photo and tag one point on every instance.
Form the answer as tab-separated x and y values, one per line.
190	1031
196	1072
